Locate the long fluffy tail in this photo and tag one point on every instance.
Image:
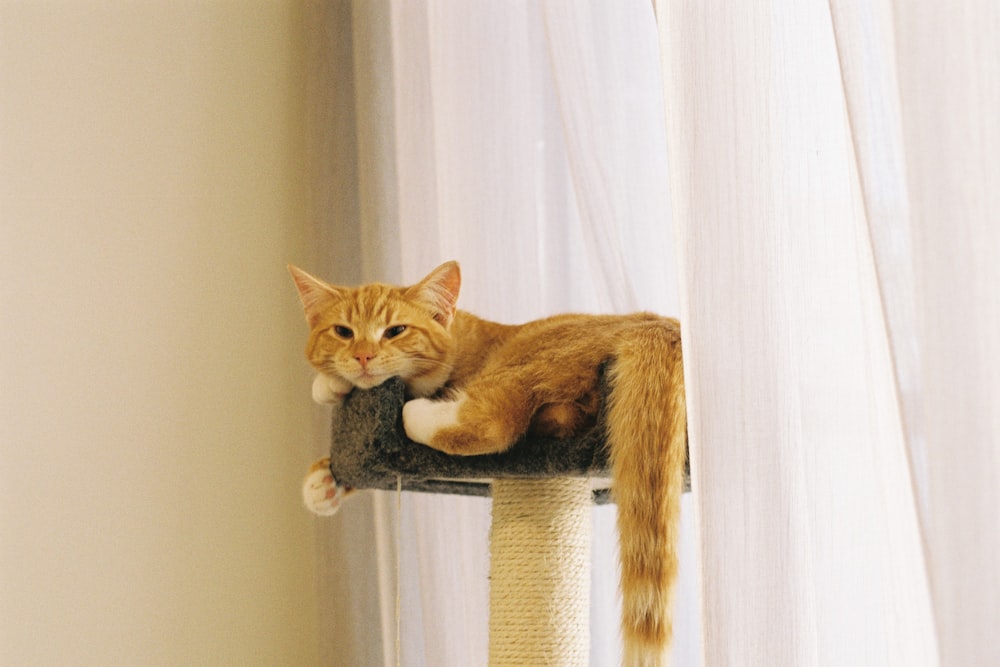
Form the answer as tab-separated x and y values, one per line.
647	433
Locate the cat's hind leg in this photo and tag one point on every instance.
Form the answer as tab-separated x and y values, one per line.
472	422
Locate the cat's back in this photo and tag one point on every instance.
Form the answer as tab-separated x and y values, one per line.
595	330
574	339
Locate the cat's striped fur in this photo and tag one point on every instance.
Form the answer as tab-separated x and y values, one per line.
477	386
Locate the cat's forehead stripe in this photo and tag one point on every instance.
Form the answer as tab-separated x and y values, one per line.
372	304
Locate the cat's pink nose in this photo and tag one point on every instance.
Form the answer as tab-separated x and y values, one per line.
363	359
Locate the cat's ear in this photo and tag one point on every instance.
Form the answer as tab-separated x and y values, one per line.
314	294
439	290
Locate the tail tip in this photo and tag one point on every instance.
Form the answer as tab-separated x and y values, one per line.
643	654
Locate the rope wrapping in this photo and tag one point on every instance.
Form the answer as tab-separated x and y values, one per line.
540	573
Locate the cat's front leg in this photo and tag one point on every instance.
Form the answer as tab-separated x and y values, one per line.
321	493
330	389
463	426
423	419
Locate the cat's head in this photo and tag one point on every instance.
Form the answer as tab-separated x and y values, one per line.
370	333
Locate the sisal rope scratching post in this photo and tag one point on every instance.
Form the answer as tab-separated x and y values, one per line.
540	538
540	573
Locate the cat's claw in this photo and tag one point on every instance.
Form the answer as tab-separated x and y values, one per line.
321	493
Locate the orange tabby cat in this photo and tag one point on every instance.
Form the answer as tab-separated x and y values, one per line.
476	387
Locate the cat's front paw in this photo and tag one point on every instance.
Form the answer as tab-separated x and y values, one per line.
330	389
321	493
424	418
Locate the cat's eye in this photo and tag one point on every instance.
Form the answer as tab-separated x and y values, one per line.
342	331
392	332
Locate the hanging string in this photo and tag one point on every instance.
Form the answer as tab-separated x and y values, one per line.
399	541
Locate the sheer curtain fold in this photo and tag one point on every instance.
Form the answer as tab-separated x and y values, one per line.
808	523
830	175
949	74
848	462
867	54
544	174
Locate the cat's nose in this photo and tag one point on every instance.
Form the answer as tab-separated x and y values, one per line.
364	358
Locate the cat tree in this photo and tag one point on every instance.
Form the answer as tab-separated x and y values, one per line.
540	532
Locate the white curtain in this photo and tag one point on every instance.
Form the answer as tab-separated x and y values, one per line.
833	182
835	171
949	76
527	141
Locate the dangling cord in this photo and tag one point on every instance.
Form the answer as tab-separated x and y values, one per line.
399	540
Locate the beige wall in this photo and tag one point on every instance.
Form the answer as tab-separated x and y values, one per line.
154	412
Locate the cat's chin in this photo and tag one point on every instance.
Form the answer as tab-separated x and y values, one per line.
369	380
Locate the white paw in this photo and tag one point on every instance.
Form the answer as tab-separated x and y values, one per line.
321	493
423	418
330	389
